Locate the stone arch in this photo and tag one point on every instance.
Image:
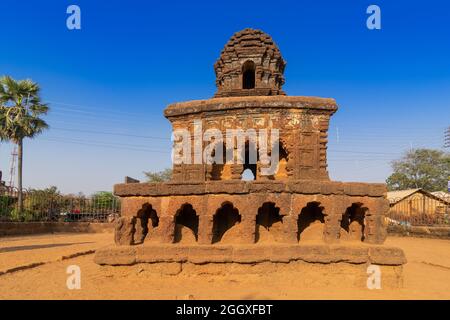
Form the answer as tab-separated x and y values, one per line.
353	223
311	222
247	175
248	75
225	218
146	220
250	146
268	223
186	224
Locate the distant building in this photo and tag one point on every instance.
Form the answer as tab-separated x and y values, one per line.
418	201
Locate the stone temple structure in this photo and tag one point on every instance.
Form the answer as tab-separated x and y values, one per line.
208	218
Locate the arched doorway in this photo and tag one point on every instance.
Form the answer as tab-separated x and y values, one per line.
186	225
147	220
226	217
310	223
251	157
247	175
248	75
353	223
269	223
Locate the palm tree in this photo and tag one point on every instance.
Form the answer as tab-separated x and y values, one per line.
20	111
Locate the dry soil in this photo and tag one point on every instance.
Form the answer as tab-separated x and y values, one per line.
35	267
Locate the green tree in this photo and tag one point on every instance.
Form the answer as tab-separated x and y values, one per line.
104	199
41	203
51	191
420	168
160	176
20	112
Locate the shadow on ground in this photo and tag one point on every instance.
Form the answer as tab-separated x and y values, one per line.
40	246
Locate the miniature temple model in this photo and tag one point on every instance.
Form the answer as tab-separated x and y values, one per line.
207	214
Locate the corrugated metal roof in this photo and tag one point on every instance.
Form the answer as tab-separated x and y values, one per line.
396	196
441	194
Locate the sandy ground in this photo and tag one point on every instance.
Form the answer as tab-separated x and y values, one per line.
43	262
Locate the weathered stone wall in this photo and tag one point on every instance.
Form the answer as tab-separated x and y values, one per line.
325	210
25	228
420	231
247	187
302	123
314	263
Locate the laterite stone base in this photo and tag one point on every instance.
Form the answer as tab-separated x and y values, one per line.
320	264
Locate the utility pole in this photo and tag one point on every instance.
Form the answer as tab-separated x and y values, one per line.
12	169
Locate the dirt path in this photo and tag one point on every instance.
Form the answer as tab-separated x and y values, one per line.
22	252
427	275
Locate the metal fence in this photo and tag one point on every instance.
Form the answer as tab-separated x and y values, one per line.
420	210
41	206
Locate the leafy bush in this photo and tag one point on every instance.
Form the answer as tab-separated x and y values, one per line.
24	216
104	201
6	206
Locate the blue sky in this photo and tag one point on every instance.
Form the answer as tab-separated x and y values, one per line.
108	83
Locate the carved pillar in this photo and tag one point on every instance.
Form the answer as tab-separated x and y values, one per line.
323	141
290	228
287	144
124	231
332	228
208	172
205	229
236	171
260	166
375	229
247	229
335	209
166	229
141	227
